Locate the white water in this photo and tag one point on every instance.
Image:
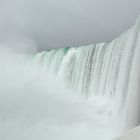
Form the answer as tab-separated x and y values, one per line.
105	69
88	92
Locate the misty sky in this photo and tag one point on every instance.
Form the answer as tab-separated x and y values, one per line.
61	23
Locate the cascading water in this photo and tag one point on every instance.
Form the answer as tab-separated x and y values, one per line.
38	99
106	69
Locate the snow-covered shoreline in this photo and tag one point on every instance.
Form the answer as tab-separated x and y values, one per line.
132	134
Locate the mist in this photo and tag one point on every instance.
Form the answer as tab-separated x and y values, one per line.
34	105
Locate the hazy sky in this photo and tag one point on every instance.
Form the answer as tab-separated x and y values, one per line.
61	23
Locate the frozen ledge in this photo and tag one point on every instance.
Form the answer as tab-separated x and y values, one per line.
133	134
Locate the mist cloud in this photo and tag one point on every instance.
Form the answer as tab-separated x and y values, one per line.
32	109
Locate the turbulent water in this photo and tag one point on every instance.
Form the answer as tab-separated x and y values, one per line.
106	69
75	93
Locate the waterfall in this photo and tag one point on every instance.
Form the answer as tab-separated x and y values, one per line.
109	69
73	93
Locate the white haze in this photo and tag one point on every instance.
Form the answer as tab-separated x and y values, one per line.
36	107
